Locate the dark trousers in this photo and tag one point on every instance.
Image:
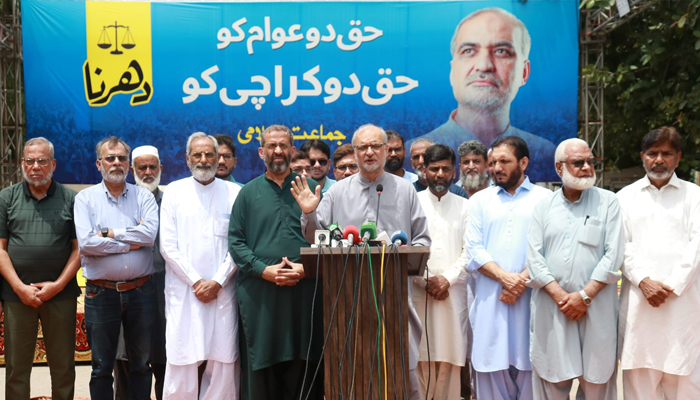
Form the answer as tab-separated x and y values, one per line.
121	379
58	325
107	309
281	381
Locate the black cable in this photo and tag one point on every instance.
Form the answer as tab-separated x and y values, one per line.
311	334
401	296
352	315
383	303
325	341
348	334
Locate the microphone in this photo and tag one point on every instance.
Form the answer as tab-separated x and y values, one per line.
399	238
368	231
352	234
380	189
336	231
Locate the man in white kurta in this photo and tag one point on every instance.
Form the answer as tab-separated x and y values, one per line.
575	250
200	301
446	318
496	236
660	299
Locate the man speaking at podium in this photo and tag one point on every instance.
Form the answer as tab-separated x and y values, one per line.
354	200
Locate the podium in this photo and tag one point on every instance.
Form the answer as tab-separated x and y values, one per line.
365	317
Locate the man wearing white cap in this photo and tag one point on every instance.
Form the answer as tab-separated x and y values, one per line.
146	167
200	299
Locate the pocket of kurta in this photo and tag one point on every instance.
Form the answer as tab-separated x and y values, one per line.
221	225
590	235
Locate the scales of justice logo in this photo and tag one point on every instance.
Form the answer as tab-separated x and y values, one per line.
118	53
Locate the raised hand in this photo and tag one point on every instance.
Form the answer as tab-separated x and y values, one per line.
307	200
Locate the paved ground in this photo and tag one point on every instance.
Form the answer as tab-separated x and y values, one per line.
41	382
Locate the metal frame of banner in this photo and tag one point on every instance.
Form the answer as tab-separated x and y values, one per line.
12	122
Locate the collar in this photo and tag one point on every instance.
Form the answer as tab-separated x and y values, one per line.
106	190
433	198
366	183
526	185
675	182
49	192
584	194
287	179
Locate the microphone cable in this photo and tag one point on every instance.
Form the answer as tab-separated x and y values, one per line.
311	334
398	282
330	325
348	332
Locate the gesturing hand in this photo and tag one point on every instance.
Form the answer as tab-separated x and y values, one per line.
307	200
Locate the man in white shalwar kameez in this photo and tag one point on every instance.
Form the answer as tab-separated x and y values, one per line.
660	299
200	301
445	281
575	249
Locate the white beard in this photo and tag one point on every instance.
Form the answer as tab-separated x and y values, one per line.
575	183
202	173
148	186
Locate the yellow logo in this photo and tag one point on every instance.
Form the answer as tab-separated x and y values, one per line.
118	52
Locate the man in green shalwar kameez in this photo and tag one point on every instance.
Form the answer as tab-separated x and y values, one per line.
275	302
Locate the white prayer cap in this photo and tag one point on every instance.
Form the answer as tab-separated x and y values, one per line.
144	151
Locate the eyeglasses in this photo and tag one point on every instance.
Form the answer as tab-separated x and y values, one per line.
226	156
579	163
274	146
208	155
110	158
343	168
299	170
29	162
321	161
374	146
396	150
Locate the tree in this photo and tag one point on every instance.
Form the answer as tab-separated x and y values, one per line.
652	79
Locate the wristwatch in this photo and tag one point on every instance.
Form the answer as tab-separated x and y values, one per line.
586	299
105	231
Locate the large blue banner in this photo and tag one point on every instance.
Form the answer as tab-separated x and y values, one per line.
153	73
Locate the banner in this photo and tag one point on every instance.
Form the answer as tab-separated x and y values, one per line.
153	73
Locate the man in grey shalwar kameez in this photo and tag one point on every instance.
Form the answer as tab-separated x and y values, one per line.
575	250
353	201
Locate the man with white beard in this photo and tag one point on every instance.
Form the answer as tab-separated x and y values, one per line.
575	248
200	299
116	224
473	173
146	167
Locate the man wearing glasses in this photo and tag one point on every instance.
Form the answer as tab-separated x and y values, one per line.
575	248
116	225
39	259
201	308
301	165
227	158
275	301
319	155
344	162
354	200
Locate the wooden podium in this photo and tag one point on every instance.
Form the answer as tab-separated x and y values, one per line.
365	317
